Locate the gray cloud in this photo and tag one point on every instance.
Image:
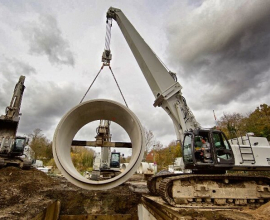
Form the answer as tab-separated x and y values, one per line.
45	38
224	45
44	105
10	71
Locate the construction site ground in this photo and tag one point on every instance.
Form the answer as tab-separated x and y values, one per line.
26	193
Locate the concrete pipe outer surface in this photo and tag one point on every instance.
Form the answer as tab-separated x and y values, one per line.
83	114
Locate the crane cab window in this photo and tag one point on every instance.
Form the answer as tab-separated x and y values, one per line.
221	146
187	151
202	149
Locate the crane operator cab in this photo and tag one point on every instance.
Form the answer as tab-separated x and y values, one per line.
207	149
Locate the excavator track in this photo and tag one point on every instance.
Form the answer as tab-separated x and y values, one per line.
215	190
154	181
26	164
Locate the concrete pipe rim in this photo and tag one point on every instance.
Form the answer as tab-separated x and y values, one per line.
83	114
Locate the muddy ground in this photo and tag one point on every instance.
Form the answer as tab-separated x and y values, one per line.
25	193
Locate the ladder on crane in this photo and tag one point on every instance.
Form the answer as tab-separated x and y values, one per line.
246	150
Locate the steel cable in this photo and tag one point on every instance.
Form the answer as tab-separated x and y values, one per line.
92	84
118	87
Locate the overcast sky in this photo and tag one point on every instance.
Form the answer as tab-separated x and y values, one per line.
219	50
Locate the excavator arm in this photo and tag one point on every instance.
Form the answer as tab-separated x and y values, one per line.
13	110
162	82
10	121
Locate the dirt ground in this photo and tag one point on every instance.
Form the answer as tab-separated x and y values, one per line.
25	193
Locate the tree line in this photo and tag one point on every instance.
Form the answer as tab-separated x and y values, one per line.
82	157
236	124
155	152
232	124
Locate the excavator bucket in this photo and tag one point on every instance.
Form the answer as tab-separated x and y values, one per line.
8	128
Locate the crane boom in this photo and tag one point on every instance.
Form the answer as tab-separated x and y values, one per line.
162	82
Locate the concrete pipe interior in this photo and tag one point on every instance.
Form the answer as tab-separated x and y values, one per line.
83	114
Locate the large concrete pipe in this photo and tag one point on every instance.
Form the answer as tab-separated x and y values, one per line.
143	168
83	114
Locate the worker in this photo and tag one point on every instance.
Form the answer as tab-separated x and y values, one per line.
199	148
206	153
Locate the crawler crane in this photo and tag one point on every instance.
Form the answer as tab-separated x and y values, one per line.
207	154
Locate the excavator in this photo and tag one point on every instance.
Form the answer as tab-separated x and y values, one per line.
107	163
12	146
208	155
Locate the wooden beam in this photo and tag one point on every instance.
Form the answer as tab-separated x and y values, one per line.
105	144
160	210
50	213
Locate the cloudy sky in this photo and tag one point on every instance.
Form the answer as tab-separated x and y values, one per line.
219	50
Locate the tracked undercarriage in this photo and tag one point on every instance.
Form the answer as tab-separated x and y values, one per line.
23	163
154	182
223	191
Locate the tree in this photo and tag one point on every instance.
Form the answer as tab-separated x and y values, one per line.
236	124
166	156
152	156
82	158
258	121
231	124
149	139
40	145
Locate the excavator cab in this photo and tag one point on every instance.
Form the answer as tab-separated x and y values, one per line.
18	146
209	149
115	160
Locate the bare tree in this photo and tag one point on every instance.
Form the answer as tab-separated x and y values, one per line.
149	139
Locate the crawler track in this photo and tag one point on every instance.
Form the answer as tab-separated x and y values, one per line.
215	190
154	181
24	164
